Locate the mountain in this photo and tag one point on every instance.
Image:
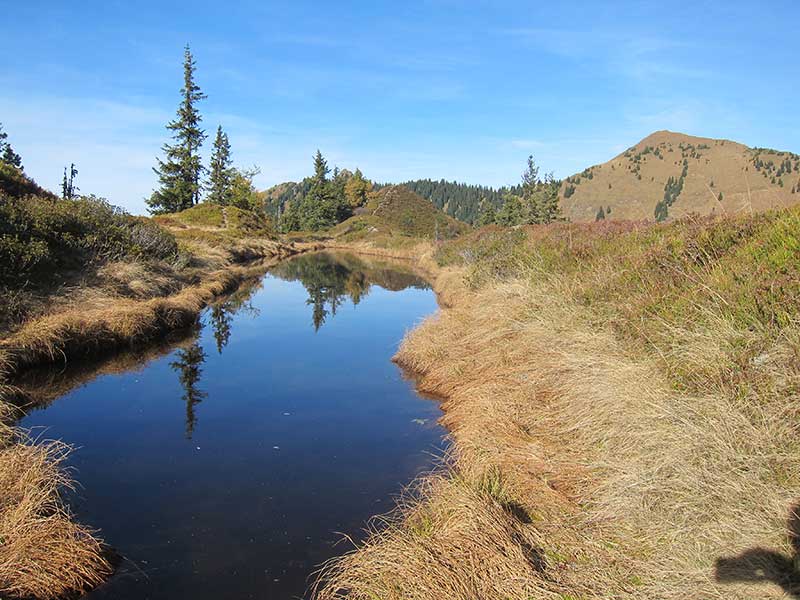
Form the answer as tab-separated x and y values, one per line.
669	175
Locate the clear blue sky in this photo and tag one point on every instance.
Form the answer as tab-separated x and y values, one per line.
442	89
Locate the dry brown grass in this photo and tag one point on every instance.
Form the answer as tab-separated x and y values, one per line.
43	552
104	320
454	539
623	484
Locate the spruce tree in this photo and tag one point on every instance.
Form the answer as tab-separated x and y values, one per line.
220	170
488	215
181	170
539	198
547	201
321	169
512	212
530	179
318	209
7	154
68	188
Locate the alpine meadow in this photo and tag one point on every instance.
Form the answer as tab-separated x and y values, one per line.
420	302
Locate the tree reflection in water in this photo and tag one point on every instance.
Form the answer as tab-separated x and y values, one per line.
331	279
221	314
221	319
188	364
189	361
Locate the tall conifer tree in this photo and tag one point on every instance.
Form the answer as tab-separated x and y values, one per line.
318	208
221	170
7	154
68	188
181	170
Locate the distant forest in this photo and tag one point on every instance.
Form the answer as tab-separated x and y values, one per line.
459	200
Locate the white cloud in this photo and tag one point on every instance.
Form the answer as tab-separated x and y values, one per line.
526	144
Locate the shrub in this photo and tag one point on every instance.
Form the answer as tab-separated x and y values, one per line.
40	237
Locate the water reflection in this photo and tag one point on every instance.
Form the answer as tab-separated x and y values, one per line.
330	279
189	361
188	366
221	319
221	314
295	435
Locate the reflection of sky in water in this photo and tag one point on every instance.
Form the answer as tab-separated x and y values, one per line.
296	434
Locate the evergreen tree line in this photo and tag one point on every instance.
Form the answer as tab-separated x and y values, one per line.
533	202
183	179
672	189
459	200
321	201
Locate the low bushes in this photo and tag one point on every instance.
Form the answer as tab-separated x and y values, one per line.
40	236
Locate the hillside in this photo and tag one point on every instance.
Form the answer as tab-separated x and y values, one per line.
276	197
397	210
683	174
219	219
15	183
459	200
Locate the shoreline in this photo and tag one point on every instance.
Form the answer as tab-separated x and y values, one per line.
82	559
579	469
44	551
65	334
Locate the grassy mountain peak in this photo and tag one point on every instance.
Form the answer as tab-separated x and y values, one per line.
682	174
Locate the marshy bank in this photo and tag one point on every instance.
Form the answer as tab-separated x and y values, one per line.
622	400
230	462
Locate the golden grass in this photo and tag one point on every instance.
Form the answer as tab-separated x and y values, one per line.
624	484
104	321
454	540
43	552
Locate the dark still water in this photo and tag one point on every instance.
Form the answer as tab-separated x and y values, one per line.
229	465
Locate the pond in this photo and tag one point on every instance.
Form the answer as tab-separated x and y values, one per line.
228	463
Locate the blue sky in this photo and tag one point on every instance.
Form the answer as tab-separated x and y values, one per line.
443	89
